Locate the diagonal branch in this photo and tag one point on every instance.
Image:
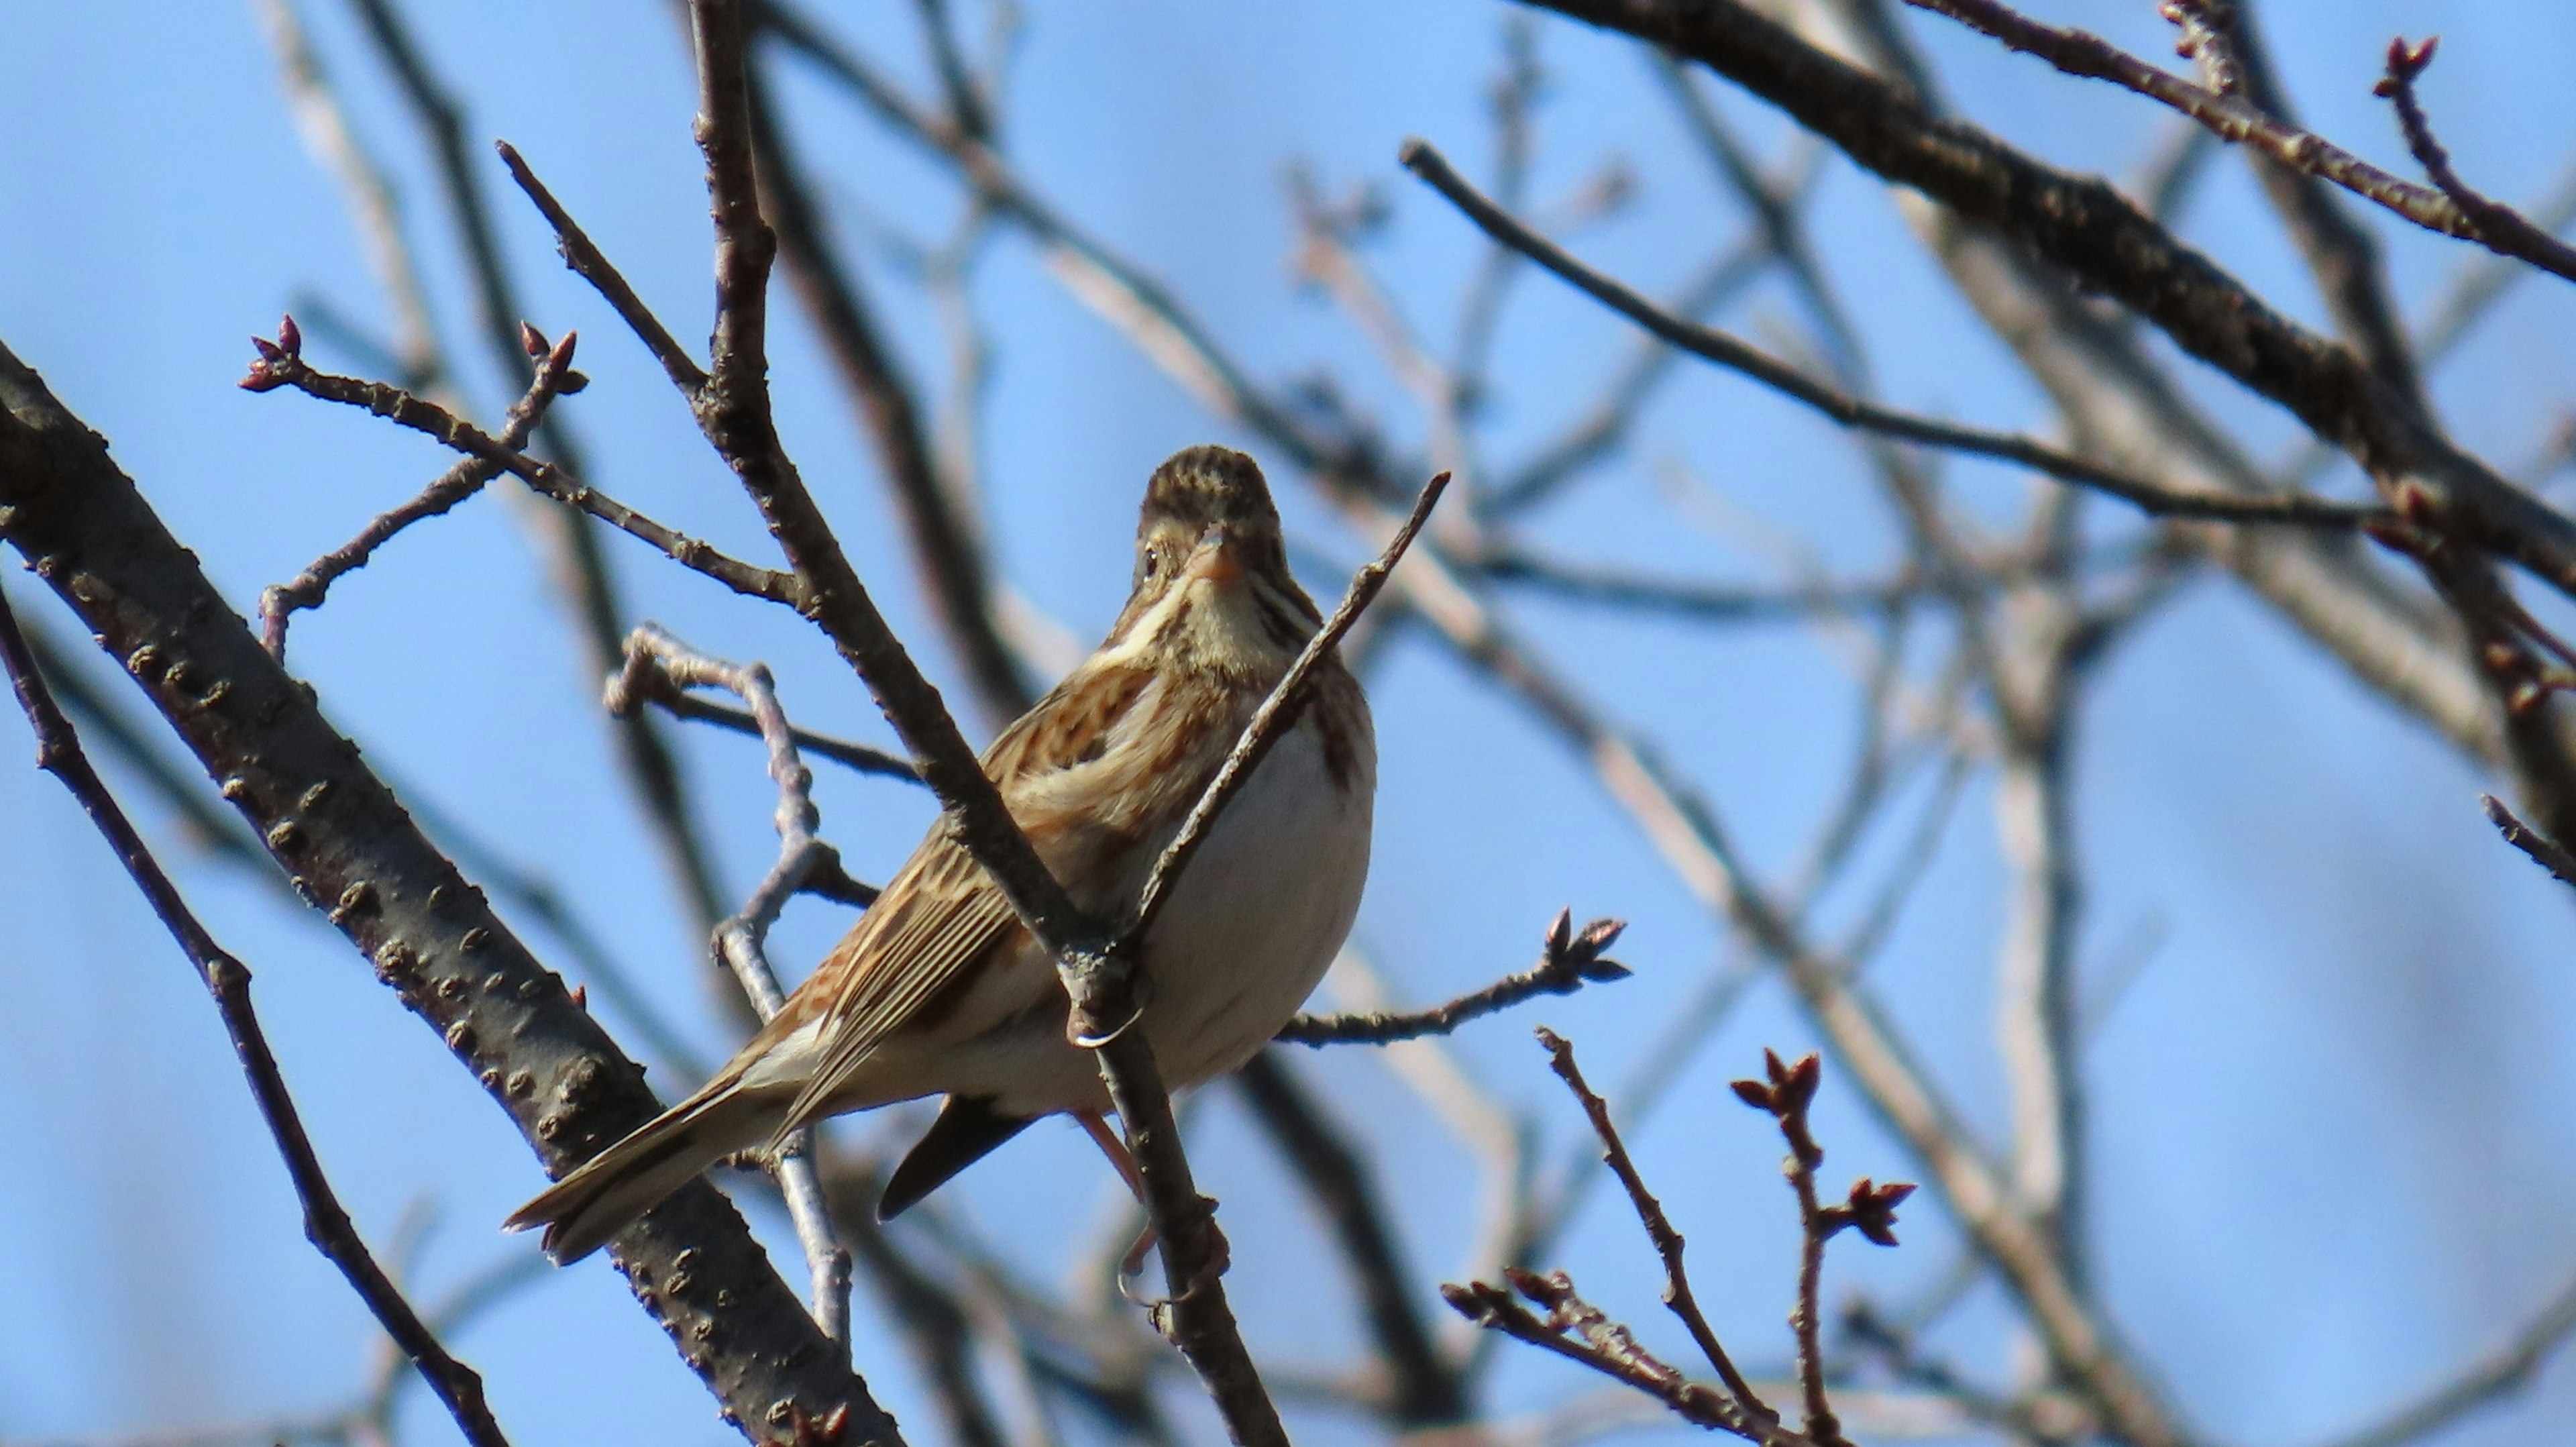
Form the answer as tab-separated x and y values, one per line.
1842	407
279	365
2436	208
326	1221
356	854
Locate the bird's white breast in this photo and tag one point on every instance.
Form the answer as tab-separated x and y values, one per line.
1262	909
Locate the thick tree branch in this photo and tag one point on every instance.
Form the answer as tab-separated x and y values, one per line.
2092	231
355	854
326	1221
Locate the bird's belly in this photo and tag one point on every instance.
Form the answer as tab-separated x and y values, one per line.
1259	915
1255	921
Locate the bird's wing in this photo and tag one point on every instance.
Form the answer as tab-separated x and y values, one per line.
941	915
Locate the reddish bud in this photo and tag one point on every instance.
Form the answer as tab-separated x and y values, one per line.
290	336
1871	1209
1753	1093
532	341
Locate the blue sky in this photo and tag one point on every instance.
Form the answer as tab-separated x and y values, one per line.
2330	1111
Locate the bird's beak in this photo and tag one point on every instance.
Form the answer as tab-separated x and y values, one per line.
1218	558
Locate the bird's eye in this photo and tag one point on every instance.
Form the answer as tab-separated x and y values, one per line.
1153	563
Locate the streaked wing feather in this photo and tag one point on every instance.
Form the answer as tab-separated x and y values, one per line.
941	915
939	929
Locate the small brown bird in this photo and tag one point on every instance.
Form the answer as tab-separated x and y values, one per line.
940	990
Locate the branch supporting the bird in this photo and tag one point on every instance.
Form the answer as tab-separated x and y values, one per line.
326	1221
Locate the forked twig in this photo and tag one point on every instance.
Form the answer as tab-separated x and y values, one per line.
1659	1229
281	364
554	378
656	659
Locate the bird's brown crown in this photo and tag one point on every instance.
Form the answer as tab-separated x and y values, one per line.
1201	487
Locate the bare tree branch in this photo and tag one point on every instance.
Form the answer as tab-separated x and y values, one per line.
554	376
742	940
2459	212
1568	963
1716	346
326	1221
334	826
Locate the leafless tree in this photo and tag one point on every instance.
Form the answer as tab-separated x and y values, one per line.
1972	657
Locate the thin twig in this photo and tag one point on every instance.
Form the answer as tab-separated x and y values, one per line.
326	1222
2492	223
858	757
655	659
1269	724
279	365
1578	1331
1567	963
2081	54
2544	851
1870	1209
1716	346
1659	1229
554	377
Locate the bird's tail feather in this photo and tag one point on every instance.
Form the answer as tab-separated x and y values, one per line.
598	1200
